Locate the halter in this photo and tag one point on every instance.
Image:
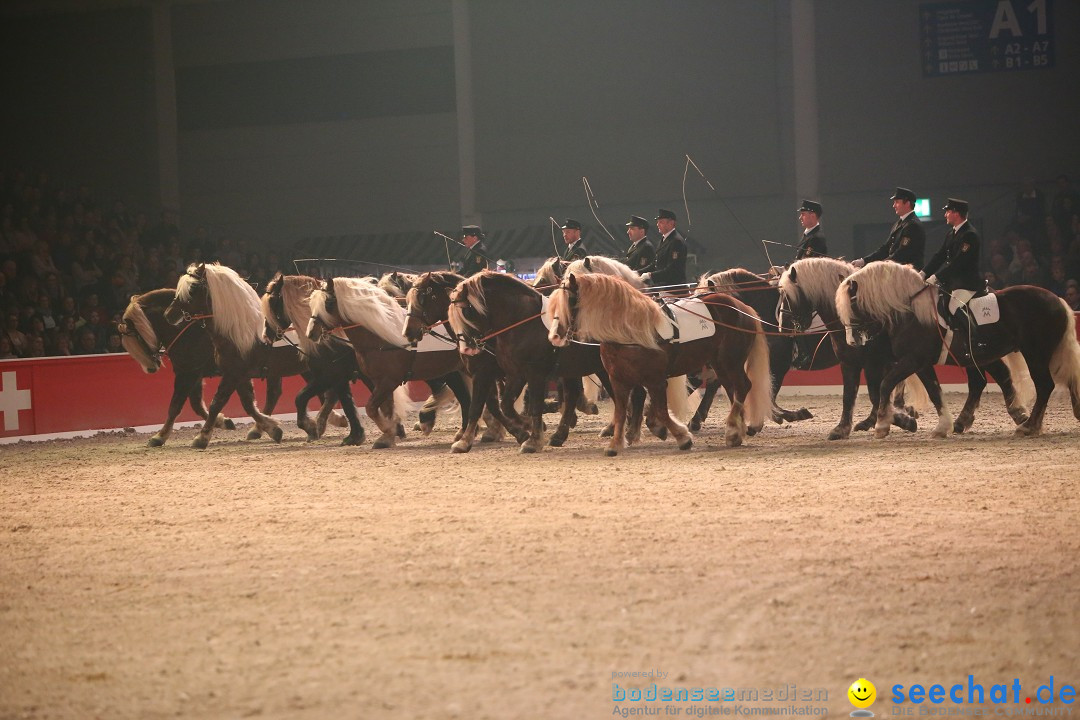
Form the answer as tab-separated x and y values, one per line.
154	354
572	304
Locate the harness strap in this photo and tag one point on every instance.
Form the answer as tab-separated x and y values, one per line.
184	329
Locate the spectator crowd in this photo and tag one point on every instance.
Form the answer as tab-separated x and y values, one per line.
69	263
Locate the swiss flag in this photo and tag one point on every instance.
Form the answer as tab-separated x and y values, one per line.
13	400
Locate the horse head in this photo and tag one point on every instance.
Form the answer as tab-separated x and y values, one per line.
273	305
858	330
138	337
427	304
795	312
324	312
192	296
561	311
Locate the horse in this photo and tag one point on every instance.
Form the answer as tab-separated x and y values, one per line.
371	319
550	274
808	286
146	336
494	308
235	323
605	266
764	297
886	297
427	307
627	323
332	363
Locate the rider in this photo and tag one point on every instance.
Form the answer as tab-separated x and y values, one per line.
955	267
907	241
641	254
669	268
476	259
571	233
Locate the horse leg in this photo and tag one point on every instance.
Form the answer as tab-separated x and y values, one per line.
482	384
620	396
195	400
661	416
779	364
1044	385
850	372
348	406
273	394
634	419
224	392
976	385
892	377
507	413
999	370
246	392
315	386
534	405
933	390
185	387
380	408
702	412
590	392
573	391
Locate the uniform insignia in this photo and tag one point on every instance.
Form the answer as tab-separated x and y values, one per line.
964	247
904	241
674	256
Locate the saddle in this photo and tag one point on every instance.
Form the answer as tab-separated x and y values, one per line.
688	319
968	320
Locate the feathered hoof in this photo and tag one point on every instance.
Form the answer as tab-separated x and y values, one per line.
528	448
840	433
864	425
695	424
731	440
200	442
939	434
228	424
1026	430
660	432
1019	416
425	428
803	414
353	440
311	436
254	434
155	441
591	409
380	445
608	431
689	443
611	452
907	423
881	433
460	447
276	434
557	439
753	430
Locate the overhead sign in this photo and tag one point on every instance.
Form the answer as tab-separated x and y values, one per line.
972	36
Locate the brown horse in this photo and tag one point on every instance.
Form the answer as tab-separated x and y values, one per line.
372	320
497	310
147	336
627	324
886	297
235	323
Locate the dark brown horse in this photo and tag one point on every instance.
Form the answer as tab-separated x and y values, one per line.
234	321
372	320
627	324
894	298
497	312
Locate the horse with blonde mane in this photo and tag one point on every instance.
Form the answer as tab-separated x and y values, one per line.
894	299
233	317
372	320
499	310
628	324
146	336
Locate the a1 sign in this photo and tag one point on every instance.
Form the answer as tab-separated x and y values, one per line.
970	36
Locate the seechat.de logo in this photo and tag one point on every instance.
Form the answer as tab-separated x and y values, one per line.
862	695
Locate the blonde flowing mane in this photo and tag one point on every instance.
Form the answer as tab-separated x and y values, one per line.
817	278
609	310
387	283
545	276
471	292
237	311
135	317
605	266
296	300
887	290
362	303
731	281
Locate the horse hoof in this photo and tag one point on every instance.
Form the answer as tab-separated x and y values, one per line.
254	434
557	440
804	414
608	431
689	442
400	432
529	447
864	425
753	430
731	441
353	440
426	428
958	427
460	447
228	424
276	434
380	445
416	426
155	441
839	434
694	425
200	442
1028	431
611	452
879	434
488	437
591	409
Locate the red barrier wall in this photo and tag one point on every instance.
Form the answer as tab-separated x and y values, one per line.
97	392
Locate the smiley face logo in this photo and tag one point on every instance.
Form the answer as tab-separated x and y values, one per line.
862	694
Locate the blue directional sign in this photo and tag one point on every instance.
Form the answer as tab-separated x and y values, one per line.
972	36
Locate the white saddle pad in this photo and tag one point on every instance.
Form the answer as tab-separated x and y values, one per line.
432	342
692	318
984	309
289	339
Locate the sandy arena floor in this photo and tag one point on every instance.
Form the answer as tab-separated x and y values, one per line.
315	581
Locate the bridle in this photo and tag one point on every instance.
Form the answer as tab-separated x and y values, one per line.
572	305
155	354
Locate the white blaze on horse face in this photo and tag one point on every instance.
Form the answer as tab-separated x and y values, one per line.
466	350
851	340
312	330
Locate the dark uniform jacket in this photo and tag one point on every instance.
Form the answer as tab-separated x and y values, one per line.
812	245
669	268
641	256
475	260
906	244
956	264
575	251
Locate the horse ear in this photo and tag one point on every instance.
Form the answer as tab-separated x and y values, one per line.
711	283
571	281
791	274
394	275
200	270
588	263
277	277
852	288
329	285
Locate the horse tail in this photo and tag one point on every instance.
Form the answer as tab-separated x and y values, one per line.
759	401
591	385
1021	379
1065	362
915	394
678	399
